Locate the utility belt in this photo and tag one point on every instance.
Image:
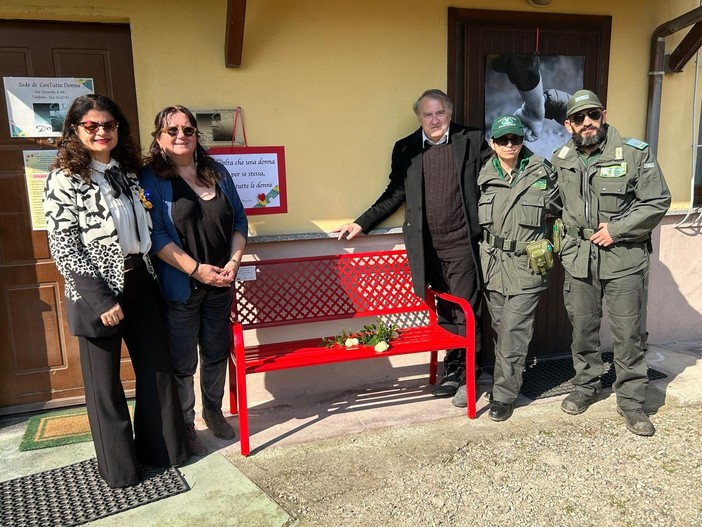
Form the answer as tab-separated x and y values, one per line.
578	232
539	252
586	234
503	244
132	261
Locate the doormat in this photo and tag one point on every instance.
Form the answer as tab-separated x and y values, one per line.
60	427
76	494
550	377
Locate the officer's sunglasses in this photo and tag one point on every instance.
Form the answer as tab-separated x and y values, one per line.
173	130
516	140
579	118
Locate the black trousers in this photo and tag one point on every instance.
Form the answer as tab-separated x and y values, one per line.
159	431
454	272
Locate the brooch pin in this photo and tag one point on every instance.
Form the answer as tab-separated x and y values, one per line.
144	196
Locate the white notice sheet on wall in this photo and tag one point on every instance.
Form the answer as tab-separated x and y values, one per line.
37	106
36	169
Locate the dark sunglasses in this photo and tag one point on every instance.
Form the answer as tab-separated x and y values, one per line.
579	118
92	127
516	140
173	130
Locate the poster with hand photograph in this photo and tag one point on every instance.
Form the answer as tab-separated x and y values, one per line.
535	88
216	127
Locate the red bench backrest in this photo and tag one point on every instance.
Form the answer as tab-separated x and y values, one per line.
317	288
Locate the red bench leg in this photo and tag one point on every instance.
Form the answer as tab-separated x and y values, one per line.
232	387
433	366
470	382
243	404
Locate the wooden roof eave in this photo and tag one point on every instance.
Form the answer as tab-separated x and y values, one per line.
234	40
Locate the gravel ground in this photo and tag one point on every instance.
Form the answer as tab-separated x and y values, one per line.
539	468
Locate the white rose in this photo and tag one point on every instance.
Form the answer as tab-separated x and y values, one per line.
350	343
381	346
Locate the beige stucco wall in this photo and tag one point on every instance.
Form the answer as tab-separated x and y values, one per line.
334	81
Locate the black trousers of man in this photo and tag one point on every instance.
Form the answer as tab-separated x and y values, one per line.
453	271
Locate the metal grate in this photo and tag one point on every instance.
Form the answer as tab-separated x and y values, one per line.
551	377
297	290
76	494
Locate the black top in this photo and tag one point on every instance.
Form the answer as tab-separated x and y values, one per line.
446	220
204	226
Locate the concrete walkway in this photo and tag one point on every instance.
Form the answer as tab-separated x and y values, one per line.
219	495
222	495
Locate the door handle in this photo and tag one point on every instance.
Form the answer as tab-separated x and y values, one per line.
50	142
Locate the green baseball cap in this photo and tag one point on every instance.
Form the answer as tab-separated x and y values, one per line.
582	100
507	124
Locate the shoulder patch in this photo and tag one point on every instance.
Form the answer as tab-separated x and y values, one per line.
636	143
649	165
540	184
563	152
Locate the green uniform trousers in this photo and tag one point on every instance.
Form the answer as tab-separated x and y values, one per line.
513	321
583	302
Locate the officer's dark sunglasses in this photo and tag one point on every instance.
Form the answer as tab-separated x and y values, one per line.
579	118
516	140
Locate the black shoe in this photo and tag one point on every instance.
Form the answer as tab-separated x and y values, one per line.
195	445
460	400
637	422
448	386
500	411
577	402
216	422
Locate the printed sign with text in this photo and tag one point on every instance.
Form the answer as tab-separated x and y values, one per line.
37	106
259	175
36	170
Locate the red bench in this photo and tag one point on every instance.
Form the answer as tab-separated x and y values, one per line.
336	287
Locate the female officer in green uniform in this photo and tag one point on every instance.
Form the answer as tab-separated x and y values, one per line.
517	191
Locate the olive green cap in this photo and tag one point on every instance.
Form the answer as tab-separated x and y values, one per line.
582	100
507	124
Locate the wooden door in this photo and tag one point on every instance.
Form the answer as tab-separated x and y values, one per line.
39	361
474	37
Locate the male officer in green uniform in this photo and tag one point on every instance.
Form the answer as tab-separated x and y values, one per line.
517	191
613	195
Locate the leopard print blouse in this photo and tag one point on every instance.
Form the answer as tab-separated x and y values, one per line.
84	244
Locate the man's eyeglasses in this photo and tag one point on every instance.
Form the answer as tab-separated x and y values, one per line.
92	127
516	140
579	118
173	130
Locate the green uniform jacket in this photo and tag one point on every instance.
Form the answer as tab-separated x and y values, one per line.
624	188
518	213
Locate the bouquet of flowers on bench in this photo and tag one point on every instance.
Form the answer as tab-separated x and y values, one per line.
377	335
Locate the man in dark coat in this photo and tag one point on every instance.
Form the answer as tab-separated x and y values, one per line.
434	173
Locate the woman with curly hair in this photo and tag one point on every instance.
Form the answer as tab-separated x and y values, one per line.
199	235
98	230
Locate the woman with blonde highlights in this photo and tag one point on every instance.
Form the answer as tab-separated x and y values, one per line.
199	236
